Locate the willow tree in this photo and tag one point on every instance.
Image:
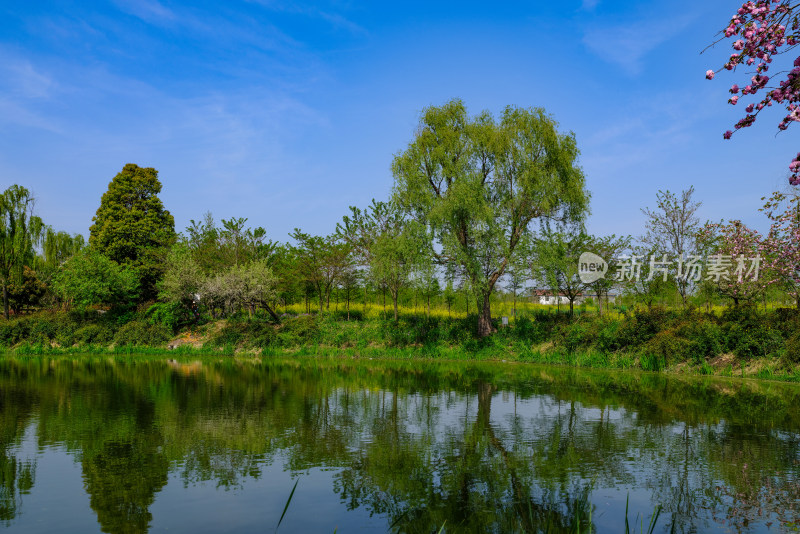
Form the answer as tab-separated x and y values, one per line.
20	232
479	184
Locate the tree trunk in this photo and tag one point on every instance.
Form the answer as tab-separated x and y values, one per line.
484	316
272	313
395	296
571	310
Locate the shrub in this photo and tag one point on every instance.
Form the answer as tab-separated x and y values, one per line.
264	336
670	347
532	331
169	314
641	327
297	331
793	348
749	334
14	331
141	333
707	337
608	338
574	335
92	333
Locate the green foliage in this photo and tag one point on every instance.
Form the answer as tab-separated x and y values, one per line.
639	328
707	336
26	291
555	261
57	247
532	330
748	333
183	277
607	337
90	278
251	285
142	333
670	347
170	315
251	334
215	249
319	261
131	226
92	334
478	184
793	348
652	362
298	331
575	335
20	232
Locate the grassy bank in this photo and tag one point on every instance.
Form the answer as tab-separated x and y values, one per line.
737	342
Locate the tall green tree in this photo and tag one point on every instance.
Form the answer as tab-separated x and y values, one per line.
394	258
479	183
320	261
555	261
132	227
387	242
20	232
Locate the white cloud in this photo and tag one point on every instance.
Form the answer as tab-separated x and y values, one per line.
627	44
20	78
148	10
335	19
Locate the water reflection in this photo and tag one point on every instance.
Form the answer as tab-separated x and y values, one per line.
478	448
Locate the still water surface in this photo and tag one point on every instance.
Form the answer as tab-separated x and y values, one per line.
150	445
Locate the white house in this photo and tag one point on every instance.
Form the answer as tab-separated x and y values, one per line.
549	298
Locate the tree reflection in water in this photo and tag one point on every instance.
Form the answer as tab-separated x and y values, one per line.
478	447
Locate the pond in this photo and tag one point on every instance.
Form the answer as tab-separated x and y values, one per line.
141	444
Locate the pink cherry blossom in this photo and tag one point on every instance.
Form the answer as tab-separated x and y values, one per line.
764	30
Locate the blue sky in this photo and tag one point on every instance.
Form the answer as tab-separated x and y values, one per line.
289	112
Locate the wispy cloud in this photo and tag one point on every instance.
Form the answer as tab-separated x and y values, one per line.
589	5
332	17
24	89
627	44
23	80
150	11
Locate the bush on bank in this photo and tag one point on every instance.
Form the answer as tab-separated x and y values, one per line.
655	338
